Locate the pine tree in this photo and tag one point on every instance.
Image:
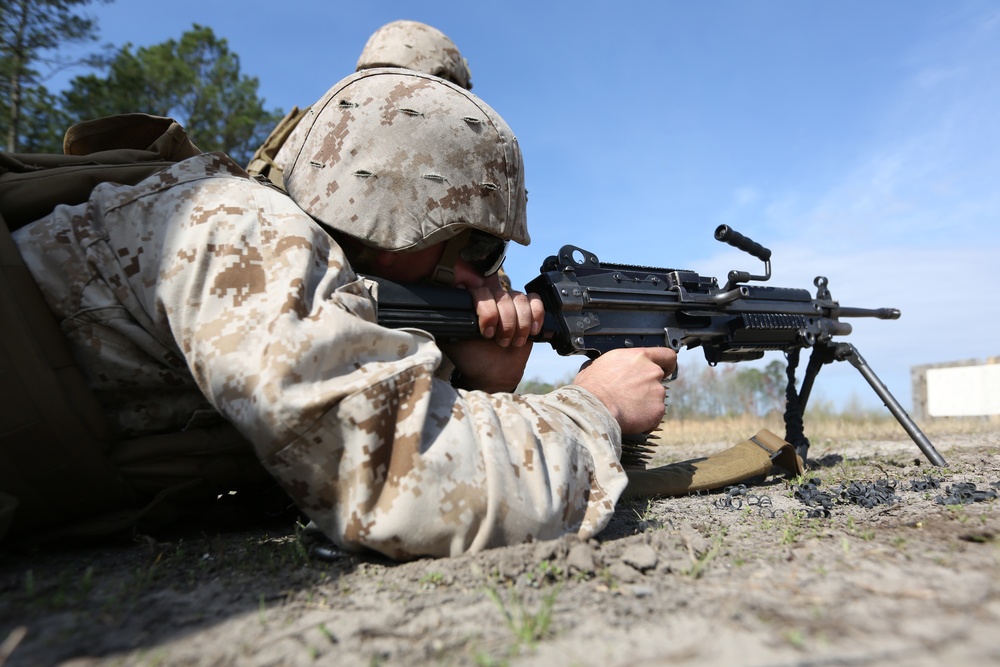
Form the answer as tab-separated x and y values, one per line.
31	33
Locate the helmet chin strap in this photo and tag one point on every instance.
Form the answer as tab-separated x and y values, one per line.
444	272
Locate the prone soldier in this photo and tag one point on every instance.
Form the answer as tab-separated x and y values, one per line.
203	295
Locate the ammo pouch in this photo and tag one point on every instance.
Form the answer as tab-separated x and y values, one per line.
751	458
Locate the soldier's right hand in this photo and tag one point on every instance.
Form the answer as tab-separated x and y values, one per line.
629	382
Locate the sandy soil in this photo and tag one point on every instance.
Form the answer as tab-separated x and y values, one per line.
720	579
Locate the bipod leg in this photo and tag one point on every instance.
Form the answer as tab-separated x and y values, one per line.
821	354
795	401
850	353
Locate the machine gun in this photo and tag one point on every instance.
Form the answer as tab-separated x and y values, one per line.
592	307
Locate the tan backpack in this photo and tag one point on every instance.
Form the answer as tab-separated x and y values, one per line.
61	473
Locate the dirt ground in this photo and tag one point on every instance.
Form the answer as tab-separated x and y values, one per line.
721	579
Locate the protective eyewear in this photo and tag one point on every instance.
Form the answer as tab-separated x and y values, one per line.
484	252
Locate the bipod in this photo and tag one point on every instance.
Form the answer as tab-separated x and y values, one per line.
822	354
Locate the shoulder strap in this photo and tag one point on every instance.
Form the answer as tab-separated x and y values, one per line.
751	458
262	163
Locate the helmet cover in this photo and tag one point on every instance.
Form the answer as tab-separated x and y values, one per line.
416	46
403	160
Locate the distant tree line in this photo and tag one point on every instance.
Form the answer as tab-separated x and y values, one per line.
728	390
732	390
721	391
195	80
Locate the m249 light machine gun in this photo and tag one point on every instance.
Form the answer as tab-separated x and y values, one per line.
592	307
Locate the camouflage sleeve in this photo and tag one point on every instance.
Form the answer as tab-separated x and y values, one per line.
280	336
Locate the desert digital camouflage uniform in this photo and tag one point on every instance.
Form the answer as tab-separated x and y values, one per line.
201	289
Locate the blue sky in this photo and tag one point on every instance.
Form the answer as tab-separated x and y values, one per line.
856	139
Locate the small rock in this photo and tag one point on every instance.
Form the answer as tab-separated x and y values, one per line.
509	566
674	562
695	542
581	559
640	556
624	573
554	549
546	550
642	591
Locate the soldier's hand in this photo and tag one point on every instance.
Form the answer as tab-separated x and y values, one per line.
506	317
485	366
507	320
629	382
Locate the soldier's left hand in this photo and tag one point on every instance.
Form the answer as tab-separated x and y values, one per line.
508	318
485	366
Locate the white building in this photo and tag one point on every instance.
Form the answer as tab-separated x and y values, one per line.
968	388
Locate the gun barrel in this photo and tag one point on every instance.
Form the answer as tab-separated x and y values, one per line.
880	313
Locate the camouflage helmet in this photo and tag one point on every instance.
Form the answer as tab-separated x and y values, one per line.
419	47
403	160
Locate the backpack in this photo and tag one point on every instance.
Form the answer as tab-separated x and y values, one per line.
59	475
118	149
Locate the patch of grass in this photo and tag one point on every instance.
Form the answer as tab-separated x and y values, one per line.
960	513
151	659
486	660
795	638
325	631
546	572
343	585
792	531
50	590
823	428
701	561
528	627
431	580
